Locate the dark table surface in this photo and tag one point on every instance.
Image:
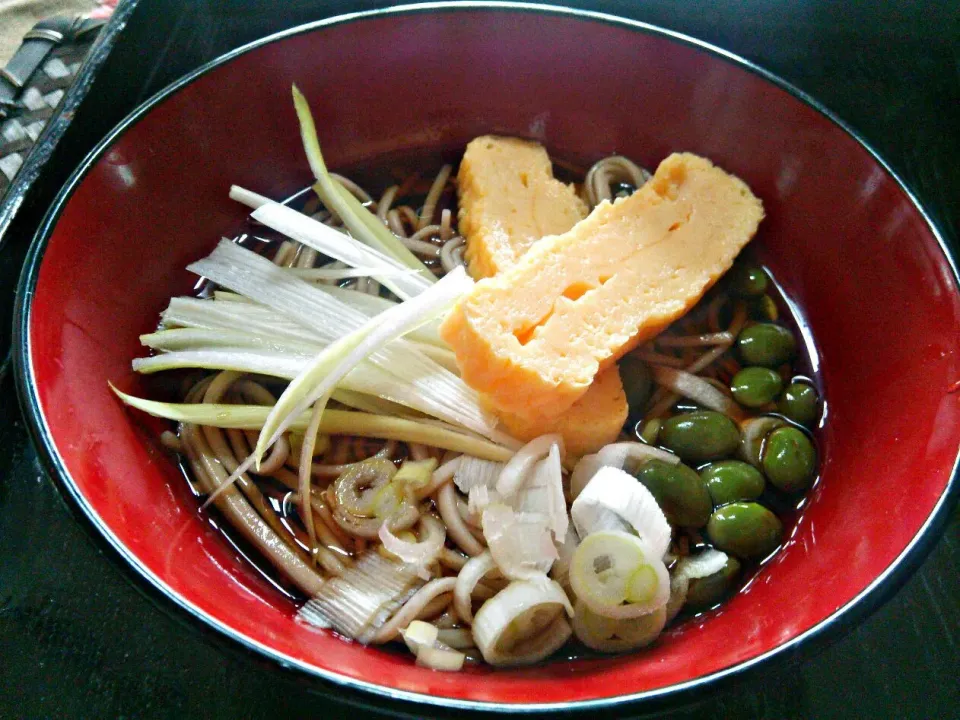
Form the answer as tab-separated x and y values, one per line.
77	639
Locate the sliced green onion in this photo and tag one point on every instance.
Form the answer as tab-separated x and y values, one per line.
407	373
333	364
360	221
335	244
601	566
610	635
334	422
617	576
321	273
523	623
615	500
519	542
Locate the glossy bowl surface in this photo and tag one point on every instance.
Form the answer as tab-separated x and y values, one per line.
871	278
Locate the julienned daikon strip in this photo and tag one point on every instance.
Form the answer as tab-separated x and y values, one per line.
696	388
360	221
434	390
333	364
335	244
334	422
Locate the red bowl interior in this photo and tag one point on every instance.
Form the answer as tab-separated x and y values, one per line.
847	243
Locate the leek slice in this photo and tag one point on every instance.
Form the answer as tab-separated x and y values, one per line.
427	386
692	567
335	197
622	455
330	366
335	244
615	500
523	623
515	471
617	575
519	542
474	472
543	493
610	635
468	578
334	422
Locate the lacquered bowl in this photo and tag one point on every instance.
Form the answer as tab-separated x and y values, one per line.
871	278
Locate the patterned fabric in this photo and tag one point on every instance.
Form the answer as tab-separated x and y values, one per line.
41	97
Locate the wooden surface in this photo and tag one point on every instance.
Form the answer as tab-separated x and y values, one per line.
79	640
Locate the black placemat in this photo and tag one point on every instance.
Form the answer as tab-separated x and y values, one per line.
78	640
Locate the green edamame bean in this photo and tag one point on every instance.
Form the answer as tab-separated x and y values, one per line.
799	403
637	383
746	529
747	281
704	593
679	492
766	344
763	309
732	481
756	386
789	459
700	436
651	431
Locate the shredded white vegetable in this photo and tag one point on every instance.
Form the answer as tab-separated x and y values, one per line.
406	375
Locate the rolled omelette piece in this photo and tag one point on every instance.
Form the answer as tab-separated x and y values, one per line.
508	200
532	338
593	421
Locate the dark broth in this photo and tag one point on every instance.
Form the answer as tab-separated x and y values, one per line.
416	172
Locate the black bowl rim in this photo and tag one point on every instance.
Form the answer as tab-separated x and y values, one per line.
841	621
